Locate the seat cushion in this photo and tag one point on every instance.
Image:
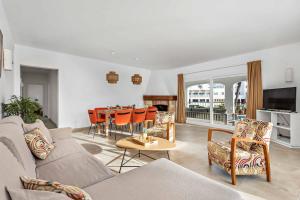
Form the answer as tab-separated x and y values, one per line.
247	162
157	131
22	194
161	180
62	148
79	169
60	133
14	137
10	171
40	125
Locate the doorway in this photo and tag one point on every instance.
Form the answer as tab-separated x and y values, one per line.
41	85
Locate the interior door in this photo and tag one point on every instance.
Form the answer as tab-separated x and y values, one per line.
36	92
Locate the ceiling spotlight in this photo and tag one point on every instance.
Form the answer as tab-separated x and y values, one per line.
136	59
113	52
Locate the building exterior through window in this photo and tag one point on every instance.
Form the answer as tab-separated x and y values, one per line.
226	104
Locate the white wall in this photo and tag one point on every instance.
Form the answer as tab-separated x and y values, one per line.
53	96
6	86
274	63
82	83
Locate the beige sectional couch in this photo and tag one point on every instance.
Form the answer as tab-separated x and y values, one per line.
71	164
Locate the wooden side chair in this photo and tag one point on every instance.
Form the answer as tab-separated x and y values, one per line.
164	126
248	151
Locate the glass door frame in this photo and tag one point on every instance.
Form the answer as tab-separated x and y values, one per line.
211	83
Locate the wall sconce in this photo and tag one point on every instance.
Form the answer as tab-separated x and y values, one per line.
289	75
112	77
136	79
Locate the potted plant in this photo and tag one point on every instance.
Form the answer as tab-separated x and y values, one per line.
28	109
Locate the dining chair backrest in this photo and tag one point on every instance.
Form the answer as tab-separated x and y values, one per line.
100	117
126	107
92	116
139	115
151	113
123	117
115	108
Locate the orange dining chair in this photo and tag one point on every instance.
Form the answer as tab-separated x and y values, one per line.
150	115
122	118
101	118
138	117
112	115
93	120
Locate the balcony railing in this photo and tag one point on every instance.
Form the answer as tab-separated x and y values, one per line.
205	115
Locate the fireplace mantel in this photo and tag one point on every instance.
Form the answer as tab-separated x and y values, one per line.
160	98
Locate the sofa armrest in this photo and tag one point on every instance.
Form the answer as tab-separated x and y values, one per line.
61	133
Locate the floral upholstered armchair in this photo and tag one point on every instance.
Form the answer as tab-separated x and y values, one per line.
248	151
164	126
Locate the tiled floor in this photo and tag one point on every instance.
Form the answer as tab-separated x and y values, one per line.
191	153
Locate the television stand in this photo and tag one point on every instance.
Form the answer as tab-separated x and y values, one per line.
286	126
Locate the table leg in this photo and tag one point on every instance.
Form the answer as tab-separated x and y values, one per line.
106	124
168	155
122	160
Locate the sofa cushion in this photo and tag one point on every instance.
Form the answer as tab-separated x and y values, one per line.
15	134
53	186
17	120
161	180
40	125
60	133
246	161
22	194
10	171
62	148
79	169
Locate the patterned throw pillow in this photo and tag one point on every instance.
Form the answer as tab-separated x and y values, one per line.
39	124
263	133
23	194
42	185
38	144
244	129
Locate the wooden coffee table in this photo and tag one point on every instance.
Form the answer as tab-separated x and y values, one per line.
128	143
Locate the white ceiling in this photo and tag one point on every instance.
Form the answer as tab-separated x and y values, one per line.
160	33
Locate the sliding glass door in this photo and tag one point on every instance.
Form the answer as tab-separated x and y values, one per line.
198	101
219	101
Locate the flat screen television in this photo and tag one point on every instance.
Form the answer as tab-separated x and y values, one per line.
280	99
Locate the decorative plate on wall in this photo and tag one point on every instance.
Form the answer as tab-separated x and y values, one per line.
112	77
136	79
